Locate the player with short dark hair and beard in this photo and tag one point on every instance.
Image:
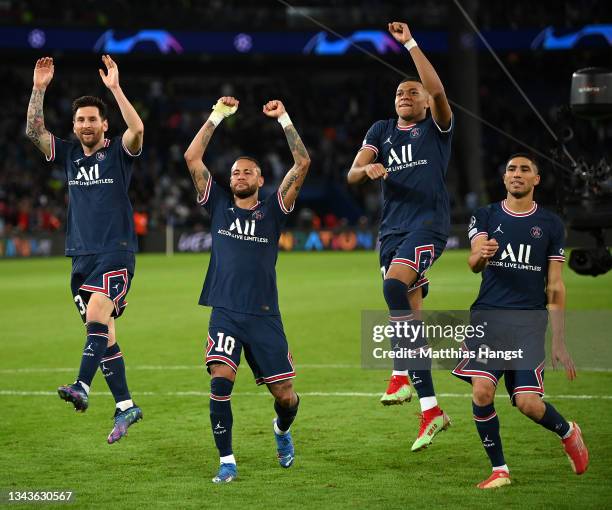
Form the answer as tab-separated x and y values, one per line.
100	236
519	248
409	156
240	283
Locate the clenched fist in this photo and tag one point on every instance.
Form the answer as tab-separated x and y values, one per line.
274	109
489	249
376	171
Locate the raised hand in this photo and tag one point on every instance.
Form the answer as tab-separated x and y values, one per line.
400	32
376	171
43	73
226	106
489	249
274	109
111	79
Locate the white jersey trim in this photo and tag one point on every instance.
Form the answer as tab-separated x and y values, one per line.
450	126
52	145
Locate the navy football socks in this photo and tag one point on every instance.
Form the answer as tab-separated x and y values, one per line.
95	346
221	419
553	421
113	369
487	424
285	415
396	296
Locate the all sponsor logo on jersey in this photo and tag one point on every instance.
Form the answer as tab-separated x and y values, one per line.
536	232
243	230
88	177
524	252
402	158
248	229
516	258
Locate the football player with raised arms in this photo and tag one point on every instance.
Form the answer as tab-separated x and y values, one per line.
240	283
409	155
518	246
100	236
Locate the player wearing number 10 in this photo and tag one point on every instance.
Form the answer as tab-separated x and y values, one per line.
240	283
100	235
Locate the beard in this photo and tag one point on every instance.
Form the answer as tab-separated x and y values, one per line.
520	194
91	142
244	192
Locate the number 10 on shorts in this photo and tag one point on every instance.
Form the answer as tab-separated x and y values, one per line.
225	343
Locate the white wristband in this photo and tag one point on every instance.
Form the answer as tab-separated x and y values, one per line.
216	118
284	120
410	44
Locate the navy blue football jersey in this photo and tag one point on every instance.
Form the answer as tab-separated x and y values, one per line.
515	278
241	273
100	217
416	158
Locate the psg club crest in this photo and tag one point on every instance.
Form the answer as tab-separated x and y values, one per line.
536	232
415	132
101	156
257	215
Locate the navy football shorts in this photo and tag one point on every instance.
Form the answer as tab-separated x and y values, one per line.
502	334
261	336
417	250
107	273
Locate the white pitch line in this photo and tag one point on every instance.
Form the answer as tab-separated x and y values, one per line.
45	370
307	366
16	393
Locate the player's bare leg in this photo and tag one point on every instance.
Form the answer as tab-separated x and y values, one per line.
222	379
286	402
487	425
99	311
543	413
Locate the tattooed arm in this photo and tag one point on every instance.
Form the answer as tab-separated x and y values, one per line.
290	187
35	125
200	175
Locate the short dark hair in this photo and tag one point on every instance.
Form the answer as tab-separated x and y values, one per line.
250	158
410	78
89	101
525	155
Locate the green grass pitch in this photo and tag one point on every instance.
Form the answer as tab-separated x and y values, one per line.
351	452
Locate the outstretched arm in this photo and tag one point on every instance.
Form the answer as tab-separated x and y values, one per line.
132	138
200	175
35	125
290	187
440	109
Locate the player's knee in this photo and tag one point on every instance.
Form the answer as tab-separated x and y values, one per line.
530	405
396	294
283	393
99	308
222	370
221	387
483	394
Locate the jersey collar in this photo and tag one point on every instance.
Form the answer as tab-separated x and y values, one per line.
507	210
405	128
